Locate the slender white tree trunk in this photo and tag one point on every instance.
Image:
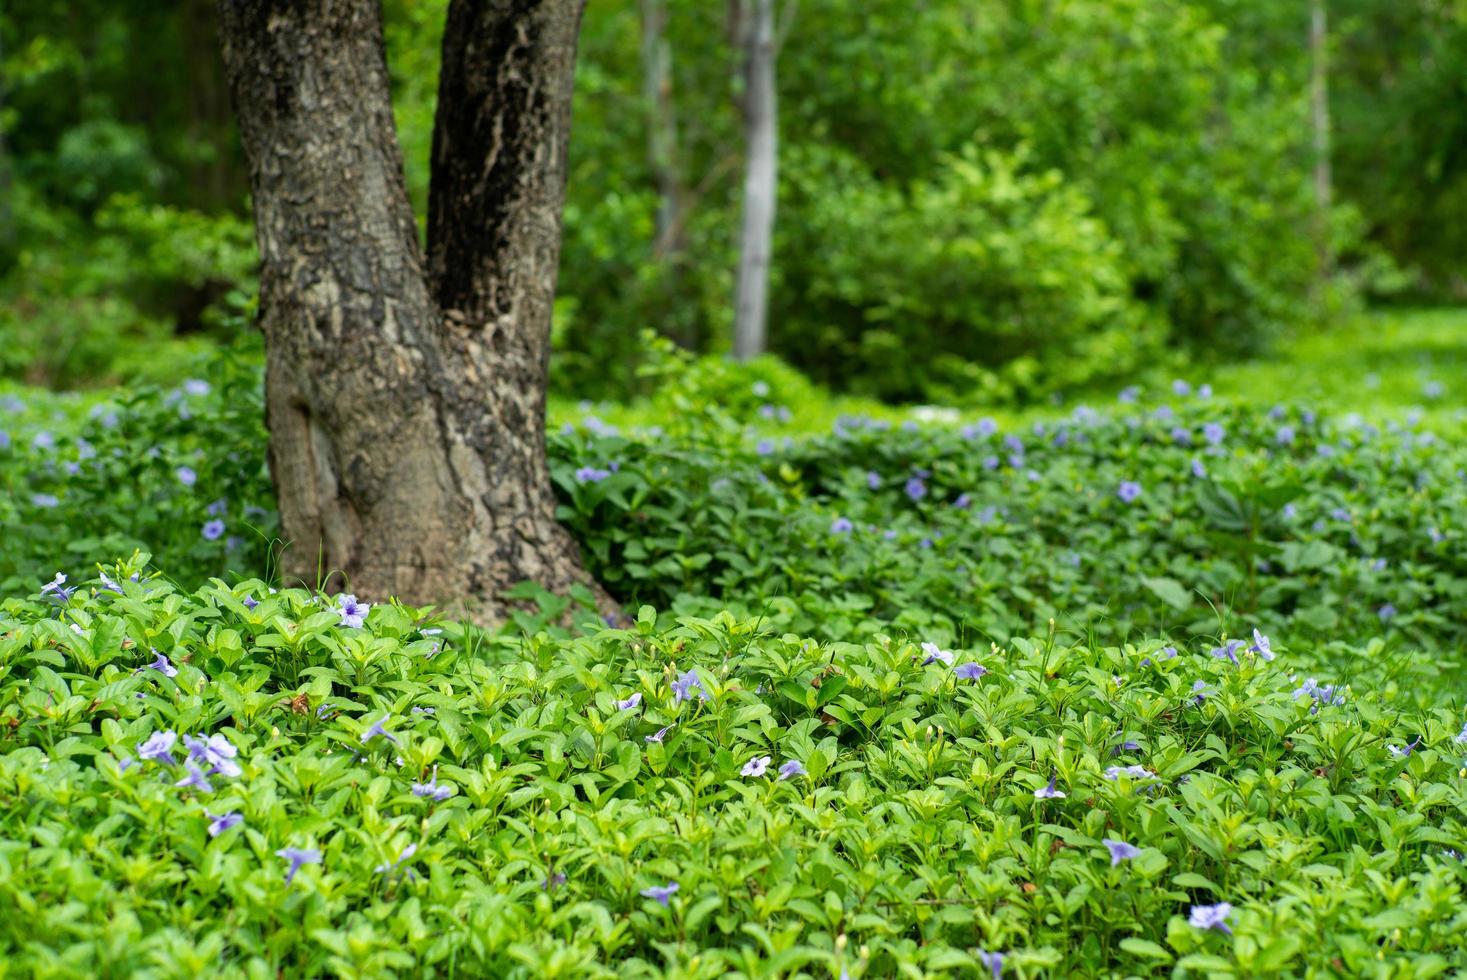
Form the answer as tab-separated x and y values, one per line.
662	154
1319	113
751	299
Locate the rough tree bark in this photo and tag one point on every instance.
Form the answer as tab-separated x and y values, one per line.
751	300
406	395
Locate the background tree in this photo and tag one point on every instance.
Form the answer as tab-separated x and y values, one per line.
405	391
754	29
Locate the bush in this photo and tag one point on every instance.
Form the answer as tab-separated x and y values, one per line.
239	782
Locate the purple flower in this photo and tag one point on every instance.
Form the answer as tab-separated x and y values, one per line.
186	476
935	653
1211	917
44	441
377	729
683	687
1285	435
1228	651
219	825
841	525
990	462
963	502
553	881
212	530
217	508
630	702
1120	850
1049	792
791	769
1214	433
1200	692
392	866
1198	470
764	448
215	752
756	766
1134	772
916	489
1128	491
161	665
56	589
1260	645
1340	514
196	387
353	613
1461	738
1204	391
994	962
1180	388
108	584
298	856
195	778
658	735
873	480
591	474
661	893
1181	436
1386	612
431	788
250	602
159	748
970	671
1129	395
1404	752
1320	694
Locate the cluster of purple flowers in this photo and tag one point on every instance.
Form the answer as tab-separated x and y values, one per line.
212	756
1321	694
758	765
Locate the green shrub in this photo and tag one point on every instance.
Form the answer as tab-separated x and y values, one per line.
513	818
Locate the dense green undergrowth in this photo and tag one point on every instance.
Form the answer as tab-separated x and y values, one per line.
245	783
918	624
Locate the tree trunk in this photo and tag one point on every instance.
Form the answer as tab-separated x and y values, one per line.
760	179
661	127
1319	113
406	398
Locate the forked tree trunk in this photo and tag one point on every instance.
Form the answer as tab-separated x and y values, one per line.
751	300
406	396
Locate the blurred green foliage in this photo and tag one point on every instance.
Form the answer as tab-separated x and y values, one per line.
980	202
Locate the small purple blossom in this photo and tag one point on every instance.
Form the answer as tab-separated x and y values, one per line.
1120	850
591	474
1228	651
161	665
970	671
218	825
353	613
56	589
916	489
186	475
1180	388
1385	612
994	962
1461	738
661	893
159	748
1211	917
630	702
935	653
1134	772
298	856
216	752
873	480
1200	692
756	766
684	686
1214	433
1261	646
431	788
963	502
195	778
553	881
1404	751
841	525
659	734
392	866
791	769
1049	792
212	530
1128	395
250	602
1198	470
378	729
1128	491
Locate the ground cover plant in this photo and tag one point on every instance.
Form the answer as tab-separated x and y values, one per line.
245	782
1170	685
